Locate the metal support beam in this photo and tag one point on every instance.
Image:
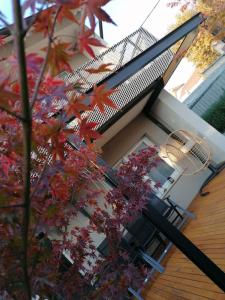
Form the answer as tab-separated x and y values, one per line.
153	97
188	248
152	52
147	56
186	43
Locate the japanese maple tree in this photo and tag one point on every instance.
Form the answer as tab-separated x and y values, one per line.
49	170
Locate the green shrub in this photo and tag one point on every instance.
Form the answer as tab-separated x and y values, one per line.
215	115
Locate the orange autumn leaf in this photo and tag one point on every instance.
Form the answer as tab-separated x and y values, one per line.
66	12
76	106
59	57
100	97
102	68
43	22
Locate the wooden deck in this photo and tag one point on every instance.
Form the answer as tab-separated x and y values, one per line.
182	279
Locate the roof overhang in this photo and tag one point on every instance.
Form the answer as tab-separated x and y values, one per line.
138	76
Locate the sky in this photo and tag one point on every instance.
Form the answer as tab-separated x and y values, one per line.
6	8
129	16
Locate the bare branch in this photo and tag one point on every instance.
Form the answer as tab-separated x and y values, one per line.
34	18
40	77
27	129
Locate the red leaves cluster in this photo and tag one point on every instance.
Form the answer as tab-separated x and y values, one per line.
65	177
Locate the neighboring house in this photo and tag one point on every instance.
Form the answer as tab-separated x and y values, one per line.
145	113
210	90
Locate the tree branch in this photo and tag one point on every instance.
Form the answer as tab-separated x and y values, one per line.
27	129
44	65
11	113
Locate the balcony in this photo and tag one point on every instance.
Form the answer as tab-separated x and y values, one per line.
132	73
135	86
182	279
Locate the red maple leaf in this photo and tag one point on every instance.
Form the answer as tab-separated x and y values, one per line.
85	40
43	22
2	40
100	97
93	8
75	107
87	131
66	12
102	68
59	57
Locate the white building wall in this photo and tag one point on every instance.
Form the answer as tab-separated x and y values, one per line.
185	189
175	115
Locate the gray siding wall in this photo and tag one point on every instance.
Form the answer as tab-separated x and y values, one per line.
210	96
210	90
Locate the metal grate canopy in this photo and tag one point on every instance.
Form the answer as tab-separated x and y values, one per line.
118	56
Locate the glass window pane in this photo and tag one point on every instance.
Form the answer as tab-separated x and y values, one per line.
161	172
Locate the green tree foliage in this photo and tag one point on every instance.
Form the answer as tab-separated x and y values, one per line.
215	115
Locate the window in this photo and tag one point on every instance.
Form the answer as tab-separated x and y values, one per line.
164	173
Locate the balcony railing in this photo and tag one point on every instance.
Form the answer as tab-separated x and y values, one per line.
119	55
